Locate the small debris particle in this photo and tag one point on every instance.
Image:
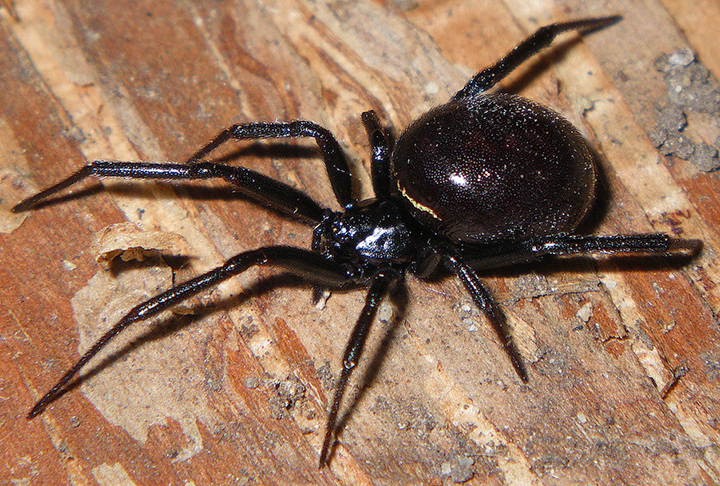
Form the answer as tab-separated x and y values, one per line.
432	88
585	312
325	375
68	265
321	297
252	382
385	313
289	393
682	57
127	241
459	469
690	88
705	158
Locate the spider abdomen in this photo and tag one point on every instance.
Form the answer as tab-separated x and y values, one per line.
494	167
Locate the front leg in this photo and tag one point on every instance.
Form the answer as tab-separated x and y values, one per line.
252	184
303	263
335	162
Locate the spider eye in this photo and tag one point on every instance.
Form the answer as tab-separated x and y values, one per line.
340	232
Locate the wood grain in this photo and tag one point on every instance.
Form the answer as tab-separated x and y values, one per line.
236	392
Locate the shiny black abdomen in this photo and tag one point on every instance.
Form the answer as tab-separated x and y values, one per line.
494	167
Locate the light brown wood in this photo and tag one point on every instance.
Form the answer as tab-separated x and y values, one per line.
236	393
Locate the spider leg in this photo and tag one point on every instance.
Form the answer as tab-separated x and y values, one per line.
380	149
487	78
353	350
301	262
535	248
486	303
253	184
565	245
333	156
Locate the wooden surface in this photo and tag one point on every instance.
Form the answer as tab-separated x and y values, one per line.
236	393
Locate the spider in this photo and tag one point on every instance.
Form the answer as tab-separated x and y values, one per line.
480	182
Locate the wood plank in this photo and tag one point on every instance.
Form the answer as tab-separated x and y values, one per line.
236	392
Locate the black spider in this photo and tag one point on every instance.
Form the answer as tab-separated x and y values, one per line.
483	181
